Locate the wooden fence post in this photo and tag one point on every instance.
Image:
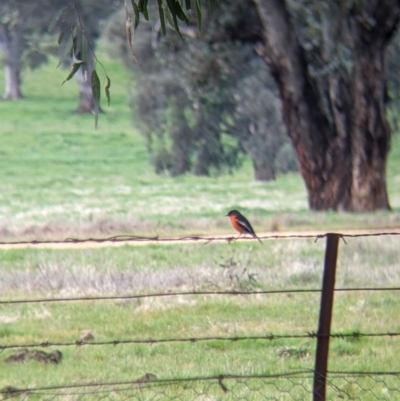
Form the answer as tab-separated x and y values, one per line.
325	317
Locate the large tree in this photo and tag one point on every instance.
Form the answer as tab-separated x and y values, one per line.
333	90
204	100
328	60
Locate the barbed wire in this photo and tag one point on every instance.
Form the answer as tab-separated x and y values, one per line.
193	238
188	293
151	380
153	341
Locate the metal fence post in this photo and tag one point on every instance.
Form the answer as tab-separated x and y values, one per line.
325	317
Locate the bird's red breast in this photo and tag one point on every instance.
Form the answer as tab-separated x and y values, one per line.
236	225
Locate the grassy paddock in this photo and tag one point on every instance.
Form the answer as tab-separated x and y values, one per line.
280	264
62	177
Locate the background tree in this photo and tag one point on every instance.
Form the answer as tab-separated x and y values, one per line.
24	38
91	15
19	23
328	61
259	123
194	98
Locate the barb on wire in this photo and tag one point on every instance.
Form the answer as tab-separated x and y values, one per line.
193	238
152	341
188	293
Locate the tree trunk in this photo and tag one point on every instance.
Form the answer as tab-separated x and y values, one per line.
182	139
82	78
10	46
12	83
263	171
336	119
370	135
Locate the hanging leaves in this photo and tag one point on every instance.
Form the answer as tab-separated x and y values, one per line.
66	47
107	89
129	35
74	43
95	83
54	19
74	69
198	14
136	12
84	55
173	9
60	37
142	5
162	17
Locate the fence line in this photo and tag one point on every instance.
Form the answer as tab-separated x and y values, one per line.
218	378
153	341
194	238
149	380
323	378
189	293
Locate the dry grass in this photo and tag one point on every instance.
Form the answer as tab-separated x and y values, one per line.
275	264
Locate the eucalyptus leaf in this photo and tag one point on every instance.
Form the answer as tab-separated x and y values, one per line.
55	19
65	48
136	11
162	17
60	37
174	13
198	14
107	89
74	69
95	83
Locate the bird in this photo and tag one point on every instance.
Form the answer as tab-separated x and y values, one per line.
241	224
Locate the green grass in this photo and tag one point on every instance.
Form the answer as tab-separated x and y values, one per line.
62	177
283	264
196	317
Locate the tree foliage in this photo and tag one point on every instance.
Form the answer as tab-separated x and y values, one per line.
328	59
79	24
194	98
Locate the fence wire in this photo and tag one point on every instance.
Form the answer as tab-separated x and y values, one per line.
192	238
283	386
289	386
153	341
187	293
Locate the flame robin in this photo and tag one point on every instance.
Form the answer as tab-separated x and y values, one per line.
241	224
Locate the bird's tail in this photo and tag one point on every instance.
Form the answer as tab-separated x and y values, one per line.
255	236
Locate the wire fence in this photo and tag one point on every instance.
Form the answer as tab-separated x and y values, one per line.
345	385
188	293
289	385
154	341
192	238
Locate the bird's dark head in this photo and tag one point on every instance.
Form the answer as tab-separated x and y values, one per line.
233	213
